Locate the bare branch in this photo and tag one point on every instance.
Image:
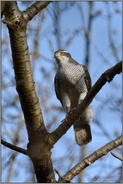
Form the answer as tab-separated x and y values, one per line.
34	9
116	156
13	147
92	158
107	76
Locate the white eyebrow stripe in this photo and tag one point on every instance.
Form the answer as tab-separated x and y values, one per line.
63	51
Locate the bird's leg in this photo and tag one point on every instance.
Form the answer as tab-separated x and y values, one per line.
67	110
66	103
81	97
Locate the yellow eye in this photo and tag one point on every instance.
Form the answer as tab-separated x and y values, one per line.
62	53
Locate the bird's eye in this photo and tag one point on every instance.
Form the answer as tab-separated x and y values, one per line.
62	53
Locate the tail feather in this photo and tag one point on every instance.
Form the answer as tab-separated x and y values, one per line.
82	127
83	135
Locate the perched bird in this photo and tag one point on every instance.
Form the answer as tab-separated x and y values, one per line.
72	83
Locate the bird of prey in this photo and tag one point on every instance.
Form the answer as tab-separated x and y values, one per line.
72	83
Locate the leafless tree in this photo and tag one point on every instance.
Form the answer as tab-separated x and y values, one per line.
30	115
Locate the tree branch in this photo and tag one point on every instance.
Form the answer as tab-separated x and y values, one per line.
116	156
34	9
13	147
92	158
107	76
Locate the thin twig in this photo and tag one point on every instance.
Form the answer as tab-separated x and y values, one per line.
13	147
116	156
61	177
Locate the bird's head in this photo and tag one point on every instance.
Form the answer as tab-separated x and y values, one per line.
62	56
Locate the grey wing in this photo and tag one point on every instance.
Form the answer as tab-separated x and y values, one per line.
87	78
57	88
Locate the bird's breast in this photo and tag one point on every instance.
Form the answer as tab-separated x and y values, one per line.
70	75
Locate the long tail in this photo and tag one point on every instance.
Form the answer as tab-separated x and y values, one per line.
82	127
83	135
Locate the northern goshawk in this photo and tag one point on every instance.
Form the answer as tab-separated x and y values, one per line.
72	83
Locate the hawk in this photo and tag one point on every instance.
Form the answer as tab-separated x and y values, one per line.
72	83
